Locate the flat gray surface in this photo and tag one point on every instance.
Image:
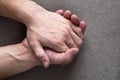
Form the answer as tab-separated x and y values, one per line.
99	58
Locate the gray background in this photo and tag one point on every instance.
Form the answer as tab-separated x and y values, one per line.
99	58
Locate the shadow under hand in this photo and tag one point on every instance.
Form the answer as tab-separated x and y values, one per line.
11	31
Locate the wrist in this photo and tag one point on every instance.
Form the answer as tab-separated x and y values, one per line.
15	59
27	13
26	55
21	55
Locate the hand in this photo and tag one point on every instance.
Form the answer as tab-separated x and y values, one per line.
50	30
44	28
55	57
68	56
79	28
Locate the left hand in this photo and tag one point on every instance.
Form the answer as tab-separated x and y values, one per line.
55	57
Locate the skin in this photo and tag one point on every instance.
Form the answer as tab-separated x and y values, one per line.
22	58
74	20
60	52
44	28
15	59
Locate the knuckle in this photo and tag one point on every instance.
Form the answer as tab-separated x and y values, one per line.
65	33
71	42
66	21
38	55
58	41
68	27
41	57
33	44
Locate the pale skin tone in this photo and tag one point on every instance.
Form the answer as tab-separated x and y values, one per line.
26	59
14	61
60	35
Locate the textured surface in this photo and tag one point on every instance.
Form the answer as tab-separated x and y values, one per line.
99	58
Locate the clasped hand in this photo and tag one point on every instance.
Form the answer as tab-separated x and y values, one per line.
54	39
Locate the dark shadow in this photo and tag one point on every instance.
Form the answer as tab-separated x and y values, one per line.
11	31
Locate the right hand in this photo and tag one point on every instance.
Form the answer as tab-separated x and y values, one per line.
57	57
49	29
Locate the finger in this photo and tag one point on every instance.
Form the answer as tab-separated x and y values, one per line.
76	39
69	41
61	12
39	52
83	26
67	14
77	30
75	20
57	45
70	55
61	58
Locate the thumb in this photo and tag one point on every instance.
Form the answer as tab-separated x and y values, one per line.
70	55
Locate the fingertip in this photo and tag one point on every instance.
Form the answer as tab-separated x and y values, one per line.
75	20
74	16
83	26
67	14
46	64
69	55
61	12
43	58
74	51
83	23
